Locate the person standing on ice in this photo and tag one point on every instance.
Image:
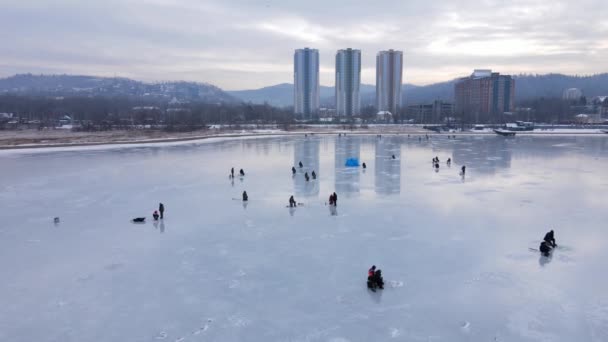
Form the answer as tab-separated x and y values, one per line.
463	170
232	172
292	202
550	239
161	209
242	172
335	199
245	196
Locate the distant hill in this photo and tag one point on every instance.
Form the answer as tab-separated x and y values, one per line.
281	95
70	85
527	87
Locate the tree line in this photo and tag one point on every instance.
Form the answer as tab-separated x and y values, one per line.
104	113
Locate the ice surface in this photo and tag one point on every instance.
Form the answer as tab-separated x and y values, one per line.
454	252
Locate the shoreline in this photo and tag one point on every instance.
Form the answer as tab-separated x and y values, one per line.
72	141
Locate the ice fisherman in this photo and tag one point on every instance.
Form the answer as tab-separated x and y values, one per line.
245	196
550	239
293	170
463	170
300	164
313	174
375	281
161	210
371	271
242	172
545	248
155	215
306	176
449	162
335	199
232	172
292	202
393	156
364	166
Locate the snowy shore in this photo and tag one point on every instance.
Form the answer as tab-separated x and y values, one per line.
60	137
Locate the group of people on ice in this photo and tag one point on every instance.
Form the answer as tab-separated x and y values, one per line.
374	279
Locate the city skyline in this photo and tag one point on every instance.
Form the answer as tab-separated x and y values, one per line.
236	44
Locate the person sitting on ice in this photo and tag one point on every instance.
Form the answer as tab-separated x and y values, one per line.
393	156
292	202
313	174
300	164
437	165
245	196
545	248
364	166
155	215
306	176
242	172
550	239
449	161
293	170
378	279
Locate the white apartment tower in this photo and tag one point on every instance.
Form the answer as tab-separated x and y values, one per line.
348	81
306	83
389	77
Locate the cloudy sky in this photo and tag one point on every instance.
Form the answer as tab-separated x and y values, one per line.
244	44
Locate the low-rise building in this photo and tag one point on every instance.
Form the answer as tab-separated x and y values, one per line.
435	112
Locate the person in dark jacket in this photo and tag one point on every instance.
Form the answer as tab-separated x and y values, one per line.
232	172
300	164
242	172
393	156
449	161
306	176
292	202
550	239
245	196
463	170
155	215
545	248
331	199
313	174
377	278
139	220
161	210
293	170
335	199
364	166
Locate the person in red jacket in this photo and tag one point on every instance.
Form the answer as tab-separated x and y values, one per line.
371	271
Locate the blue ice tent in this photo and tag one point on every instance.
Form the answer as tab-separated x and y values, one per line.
352	162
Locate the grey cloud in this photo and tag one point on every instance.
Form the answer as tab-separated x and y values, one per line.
238	44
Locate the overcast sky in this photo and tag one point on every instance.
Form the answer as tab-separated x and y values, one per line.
243	44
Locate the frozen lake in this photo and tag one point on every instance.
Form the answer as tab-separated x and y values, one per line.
454	252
